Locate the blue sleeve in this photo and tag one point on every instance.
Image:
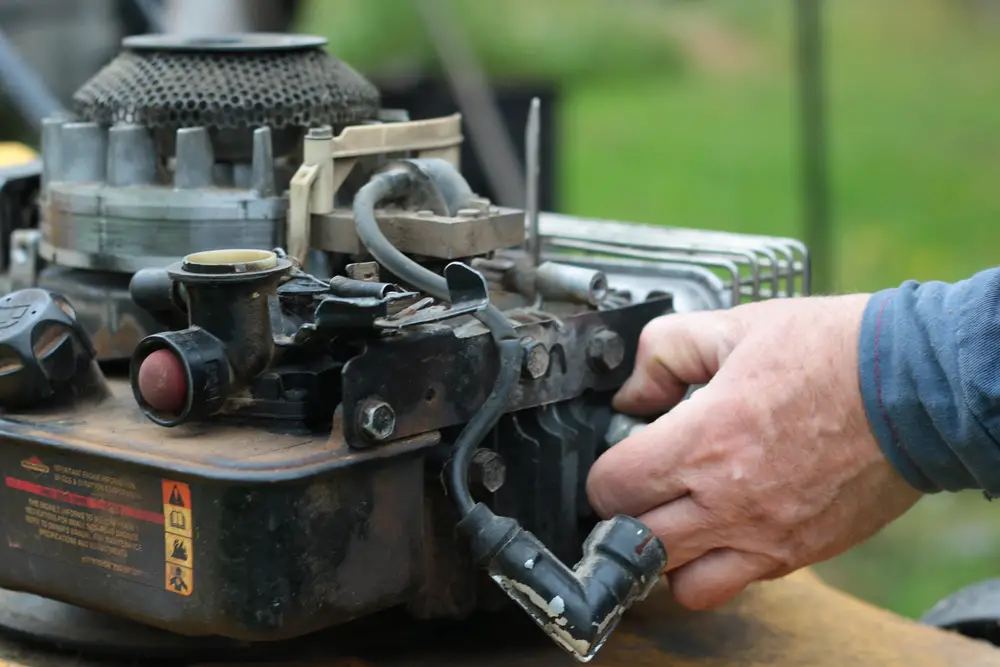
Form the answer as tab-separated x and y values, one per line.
930	381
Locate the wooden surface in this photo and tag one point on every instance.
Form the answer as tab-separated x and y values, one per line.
795	622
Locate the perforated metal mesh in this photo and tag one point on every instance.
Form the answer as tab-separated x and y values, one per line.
302	87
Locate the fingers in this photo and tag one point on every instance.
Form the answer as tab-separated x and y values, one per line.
685	528
675	351
717	577
641	472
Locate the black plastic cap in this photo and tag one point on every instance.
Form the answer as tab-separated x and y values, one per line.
44	352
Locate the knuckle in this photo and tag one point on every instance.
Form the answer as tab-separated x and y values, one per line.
690	592
654	332
600	490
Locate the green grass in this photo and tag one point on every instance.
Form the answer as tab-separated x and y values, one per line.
683	113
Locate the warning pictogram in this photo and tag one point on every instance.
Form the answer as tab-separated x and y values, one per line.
179	550
180	580
177	521
176	494
178	534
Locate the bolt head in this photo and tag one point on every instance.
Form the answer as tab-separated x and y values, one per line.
377	420
606	350
488	470
536	360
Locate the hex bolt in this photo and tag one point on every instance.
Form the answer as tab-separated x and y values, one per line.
605	350
535	363
488	470
377	420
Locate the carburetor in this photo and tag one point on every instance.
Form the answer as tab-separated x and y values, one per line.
353	385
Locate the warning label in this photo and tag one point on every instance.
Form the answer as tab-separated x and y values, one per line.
177	533
99	519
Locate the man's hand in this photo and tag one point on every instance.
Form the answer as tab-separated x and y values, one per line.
768	468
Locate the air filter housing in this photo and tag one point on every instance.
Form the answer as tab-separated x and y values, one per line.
227	82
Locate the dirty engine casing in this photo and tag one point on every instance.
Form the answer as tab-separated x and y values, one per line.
270	366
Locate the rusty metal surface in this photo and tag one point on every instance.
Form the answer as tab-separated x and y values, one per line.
117	429
795	622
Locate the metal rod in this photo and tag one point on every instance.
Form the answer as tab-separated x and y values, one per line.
532	140
152	14
24	87
809	34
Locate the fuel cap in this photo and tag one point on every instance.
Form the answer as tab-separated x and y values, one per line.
44	352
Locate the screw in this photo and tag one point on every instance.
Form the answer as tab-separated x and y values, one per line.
605	350
377	420
535	362
488	470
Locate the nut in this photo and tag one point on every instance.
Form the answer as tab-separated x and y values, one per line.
605	350
535	363
488	470
377	420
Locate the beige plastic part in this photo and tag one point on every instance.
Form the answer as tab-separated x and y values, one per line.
329	160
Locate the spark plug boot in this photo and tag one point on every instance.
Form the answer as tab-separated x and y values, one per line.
577	608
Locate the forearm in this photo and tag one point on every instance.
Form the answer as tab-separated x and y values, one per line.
930	379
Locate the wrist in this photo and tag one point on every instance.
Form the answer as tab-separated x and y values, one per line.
884	391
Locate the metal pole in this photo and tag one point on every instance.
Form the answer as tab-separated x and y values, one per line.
812	112
152	13
532	134
24	88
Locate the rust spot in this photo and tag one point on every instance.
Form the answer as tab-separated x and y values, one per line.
642	545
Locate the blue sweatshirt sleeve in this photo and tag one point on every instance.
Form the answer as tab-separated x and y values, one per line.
929	360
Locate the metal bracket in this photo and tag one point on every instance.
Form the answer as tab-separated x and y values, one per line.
452	375
468	293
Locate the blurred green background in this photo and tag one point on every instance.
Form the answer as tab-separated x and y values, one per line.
684	113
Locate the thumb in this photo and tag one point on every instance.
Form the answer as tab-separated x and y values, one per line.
675	352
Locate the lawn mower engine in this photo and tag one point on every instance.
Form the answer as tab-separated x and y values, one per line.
271	368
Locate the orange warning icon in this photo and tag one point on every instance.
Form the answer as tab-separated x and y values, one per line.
176	494
180	580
